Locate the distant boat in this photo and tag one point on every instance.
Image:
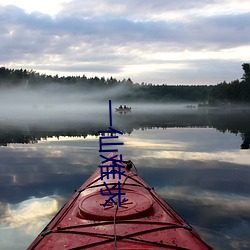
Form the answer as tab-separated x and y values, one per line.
125	110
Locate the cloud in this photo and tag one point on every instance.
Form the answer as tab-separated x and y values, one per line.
144	10
94	38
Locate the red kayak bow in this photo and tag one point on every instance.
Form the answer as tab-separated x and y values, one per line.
117	210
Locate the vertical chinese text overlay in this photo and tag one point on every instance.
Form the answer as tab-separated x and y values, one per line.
110	171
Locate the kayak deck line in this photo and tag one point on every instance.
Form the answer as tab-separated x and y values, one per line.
143	221
120	237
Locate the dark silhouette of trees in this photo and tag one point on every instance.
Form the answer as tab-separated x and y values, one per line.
246	69
234	92
221	94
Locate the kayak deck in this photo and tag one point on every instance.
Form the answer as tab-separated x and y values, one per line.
142	221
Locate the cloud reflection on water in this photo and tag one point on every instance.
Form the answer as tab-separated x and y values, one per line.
22	222
201	144
201	174
208	184
185	139
29	210
226	216
236	156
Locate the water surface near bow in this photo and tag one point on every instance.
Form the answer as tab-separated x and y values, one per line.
193	160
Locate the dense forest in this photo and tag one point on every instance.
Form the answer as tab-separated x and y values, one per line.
234	92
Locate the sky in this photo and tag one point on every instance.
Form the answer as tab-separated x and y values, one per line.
152	41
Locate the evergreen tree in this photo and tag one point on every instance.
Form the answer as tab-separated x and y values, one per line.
246	69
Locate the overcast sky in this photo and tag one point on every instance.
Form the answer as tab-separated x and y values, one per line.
154	41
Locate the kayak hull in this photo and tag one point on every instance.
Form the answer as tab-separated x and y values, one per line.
142	221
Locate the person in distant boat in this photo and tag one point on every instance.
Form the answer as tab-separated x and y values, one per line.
120	107
125	106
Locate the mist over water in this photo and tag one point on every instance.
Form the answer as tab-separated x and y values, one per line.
58	107
191	156
47	103
64	103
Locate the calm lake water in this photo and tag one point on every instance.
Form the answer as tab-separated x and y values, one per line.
197	160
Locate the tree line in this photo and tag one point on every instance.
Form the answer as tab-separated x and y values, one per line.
236	91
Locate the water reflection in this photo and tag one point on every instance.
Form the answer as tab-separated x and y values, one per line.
192	160
19	222
28	211
84	124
